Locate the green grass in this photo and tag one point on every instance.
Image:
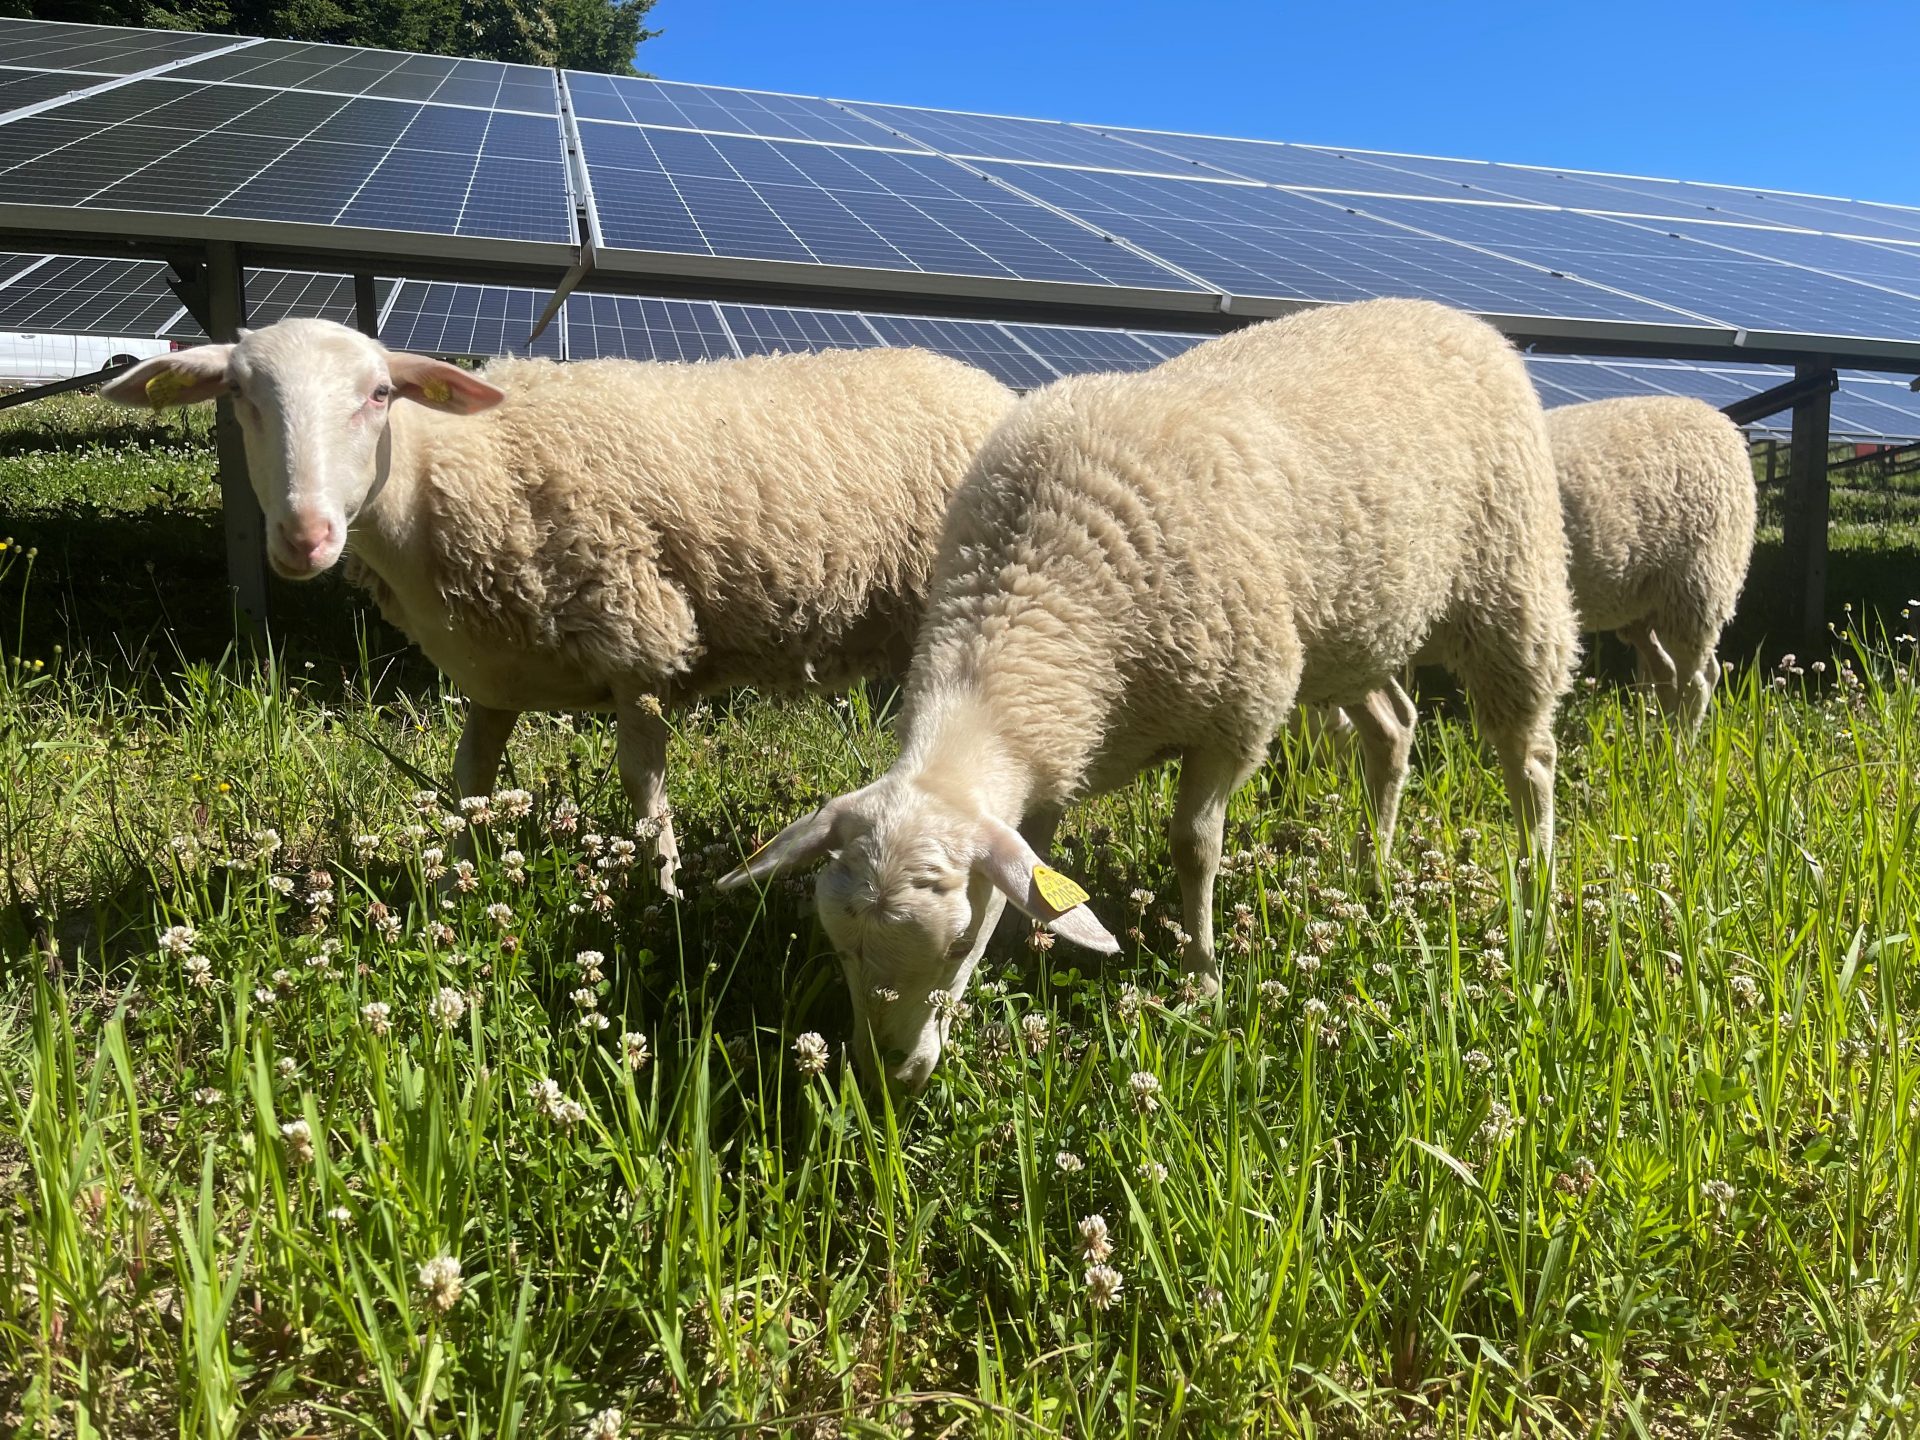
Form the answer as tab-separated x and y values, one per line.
1426	1168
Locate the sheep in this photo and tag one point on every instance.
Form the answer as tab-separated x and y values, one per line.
1165	563
1658	498
608	534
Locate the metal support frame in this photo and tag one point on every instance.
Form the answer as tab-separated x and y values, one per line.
246	527
1787	395
60	387
1805	507
366	306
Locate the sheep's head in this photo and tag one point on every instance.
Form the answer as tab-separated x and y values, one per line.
913	885
312	398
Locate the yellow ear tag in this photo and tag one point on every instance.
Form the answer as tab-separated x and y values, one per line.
438	391
1059	891
164	388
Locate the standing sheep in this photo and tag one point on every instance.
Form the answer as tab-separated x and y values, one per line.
1658	498
606	535
1164	564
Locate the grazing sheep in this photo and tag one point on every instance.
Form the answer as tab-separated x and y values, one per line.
606	535
1164	564
1657	493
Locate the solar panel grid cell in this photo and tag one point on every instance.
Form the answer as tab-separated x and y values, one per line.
1302	166
98	49
1003	137
1072	350
715	108
772	330
629	328
82	295
20	88
467	320
977	342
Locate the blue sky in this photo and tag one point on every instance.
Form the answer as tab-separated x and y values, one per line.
1698	89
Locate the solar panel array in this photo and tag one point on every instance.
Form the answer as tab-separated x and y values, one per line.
177	135
72	294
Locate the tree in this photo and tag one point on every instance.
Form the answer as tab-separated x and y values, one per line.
579	34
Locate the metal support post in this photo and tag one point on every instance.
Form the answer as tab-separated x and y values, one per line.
246	527
1805	506
366	306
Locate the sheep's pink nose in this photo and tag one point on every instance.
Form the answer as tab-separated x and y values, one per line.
308	538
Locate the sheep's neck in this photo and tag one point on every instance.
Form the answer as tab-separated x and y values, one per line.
389	534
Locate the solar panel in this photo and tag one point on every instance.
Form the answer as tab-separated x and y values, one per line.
715	108
771	330
1895	267
1006	137
1300	166
98	49
391	74
1080	350
623	327
172	146
1746	293
476	320
977	342
19	88
71	294
746	198
1168	343
1254	240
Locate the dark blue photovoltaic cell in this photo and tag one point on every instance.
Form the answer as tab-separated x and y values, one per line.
1002	137
82	295
320	159
476	320
280	294
344	70
716	108
1897	267
1168	343
622	327
20	88
1303	166
772	330
975	341
1254	240
1076	350
98	49
761	199
1749	294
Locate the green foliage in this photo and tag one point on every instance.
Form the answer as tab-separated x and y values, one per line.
580	34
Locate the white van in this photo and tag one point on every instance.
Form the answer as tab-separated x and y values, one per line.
34	359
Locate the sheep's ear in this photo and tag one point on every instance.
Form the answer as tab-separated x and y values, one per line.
1040	890
185	377
440	386
803	843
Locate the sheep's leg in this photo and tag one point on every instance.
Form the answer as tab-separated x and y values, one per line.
642	758
1207	779
1696	671
1384	723
1528	755
476	760
1656	666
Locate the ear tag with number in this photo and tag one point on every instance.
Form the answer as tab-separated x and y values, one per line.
438	391
164	388
1062	892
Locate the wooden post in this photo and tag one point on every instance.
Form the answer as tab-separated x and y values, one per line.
1804	509
246	526
366	306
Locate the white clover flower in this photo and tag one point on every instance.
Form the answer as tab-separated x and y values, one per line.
500	913
555	1104
426	801
609	1424
585	998
1069	1163
1313	1009
464	879
810	1054
199	971
1500	1125
1095	1244
1719	1194
285	1067
635	1050
592	843
591	1020
208	1095
883	995
266	843
477	810
1746	991
1037	1029
514	866
1307	964
1272	992
440	1278
340	1215
280	884
299	1137
1129	1003
453	824
1141	898
377	1016
178	939
364	847
513	804
448	1007
1151	1170
1144	1086
945	1004
590	962
1103	1286
1478	1061
433	862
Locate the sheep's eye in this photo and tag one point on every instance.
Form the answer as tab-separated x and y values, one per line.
381	393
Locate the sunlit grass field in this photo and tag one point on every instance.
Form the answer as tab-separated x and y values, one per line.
300	1137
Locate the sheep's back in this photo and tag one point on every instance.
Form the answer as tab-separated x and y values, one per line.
767	521
1658	496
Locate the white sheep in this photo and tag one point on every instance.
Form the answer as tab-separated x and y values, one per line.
605	535
1658	497
1164	564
